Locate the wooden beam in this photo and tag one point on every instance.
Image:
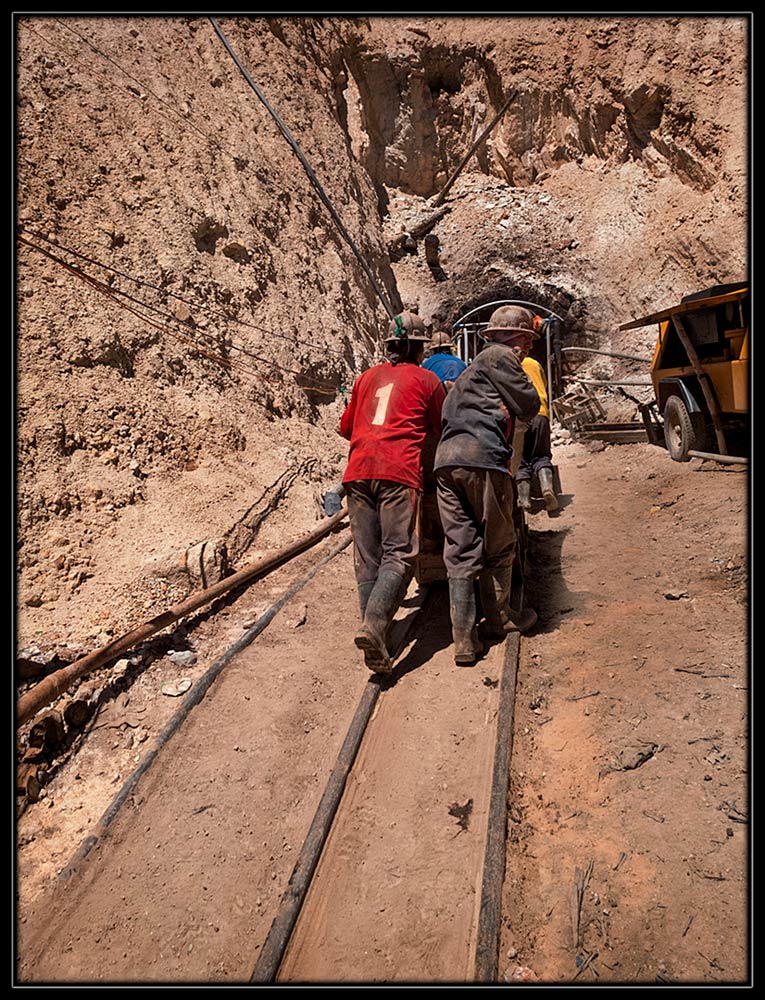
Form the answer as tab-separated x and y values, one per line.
687	307
474	147
706	388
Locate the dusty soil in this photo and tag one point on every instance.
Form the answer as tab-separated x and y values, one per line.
632	748
203	409
630	752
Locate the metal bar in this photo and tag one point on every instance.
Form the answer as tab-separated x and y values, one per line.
627	425
490	914
55	684
474	147
508	302
724	459
617	437
709	396
623	381
607	354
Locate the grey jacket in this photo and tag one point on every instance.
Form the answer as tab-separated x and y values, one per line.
478	417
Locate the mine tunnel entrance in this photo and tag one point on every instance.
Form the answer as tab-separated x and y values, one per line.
467	336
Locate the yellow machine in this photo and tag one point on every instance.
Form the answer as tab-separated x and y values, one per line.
700	373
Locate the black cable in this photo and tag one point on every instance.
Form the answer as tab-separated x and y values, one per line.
288	136
212	140
308	168
187	302
113	293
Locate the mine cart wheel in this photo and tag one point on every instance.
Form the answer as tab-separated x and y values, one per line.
681	432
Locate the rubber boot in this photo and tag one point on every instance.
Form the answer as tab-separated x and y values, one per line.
365	589
548	490
524	494
499	617
467	646
494	585
521	621
381	607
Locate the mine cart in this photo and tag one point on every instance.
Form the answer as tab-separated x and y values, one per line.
700	374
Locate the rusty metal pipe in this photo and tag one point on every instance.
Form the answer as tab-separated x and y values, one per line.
724	459
194	697
617	381
446	188
608	354
51	687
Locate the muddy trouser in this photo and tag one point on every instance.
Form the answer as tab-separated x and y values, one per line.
383	517
537	453
476	508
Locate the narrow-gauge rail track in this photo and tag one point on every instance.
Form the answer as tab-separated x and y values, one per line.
408	835
320	941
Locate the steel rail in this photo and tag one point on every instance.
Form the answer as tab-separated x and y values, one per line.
194	696
283	924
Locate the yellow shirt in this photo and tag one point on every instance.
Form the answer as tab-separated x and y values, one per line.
537	375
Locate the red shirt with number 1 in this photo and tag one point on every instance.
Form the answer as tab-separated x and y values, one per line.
392	408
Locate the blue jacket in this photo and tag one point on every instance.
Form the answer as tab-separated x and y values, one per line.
446	366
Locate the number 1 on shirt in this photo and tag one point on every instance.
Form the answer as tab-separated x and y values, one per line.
382	396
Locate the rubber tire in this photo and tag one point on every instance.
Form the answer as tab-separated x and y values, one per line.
681	432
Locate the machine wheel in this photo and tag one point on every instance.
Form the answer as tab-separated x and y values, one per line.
683	432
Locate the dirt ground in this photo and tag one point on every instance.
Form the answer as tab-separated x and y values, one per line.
630	763
188	324
632	745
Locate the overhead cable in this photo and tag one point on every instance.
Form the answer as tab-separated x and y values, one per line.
114	295
188	302
308	168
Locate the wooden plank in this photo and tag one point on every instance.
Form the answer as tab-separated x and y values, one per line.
686	307
490	914
704	382
622	437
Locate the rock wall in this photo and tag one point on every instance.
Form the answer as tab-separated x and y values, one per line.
186	310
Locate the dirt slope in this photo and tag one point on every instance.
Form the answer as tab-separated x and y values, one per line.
640	651
192	394
615	182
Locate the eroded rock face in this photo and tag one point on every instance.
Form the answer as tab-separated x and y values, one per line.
627	89
188	314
